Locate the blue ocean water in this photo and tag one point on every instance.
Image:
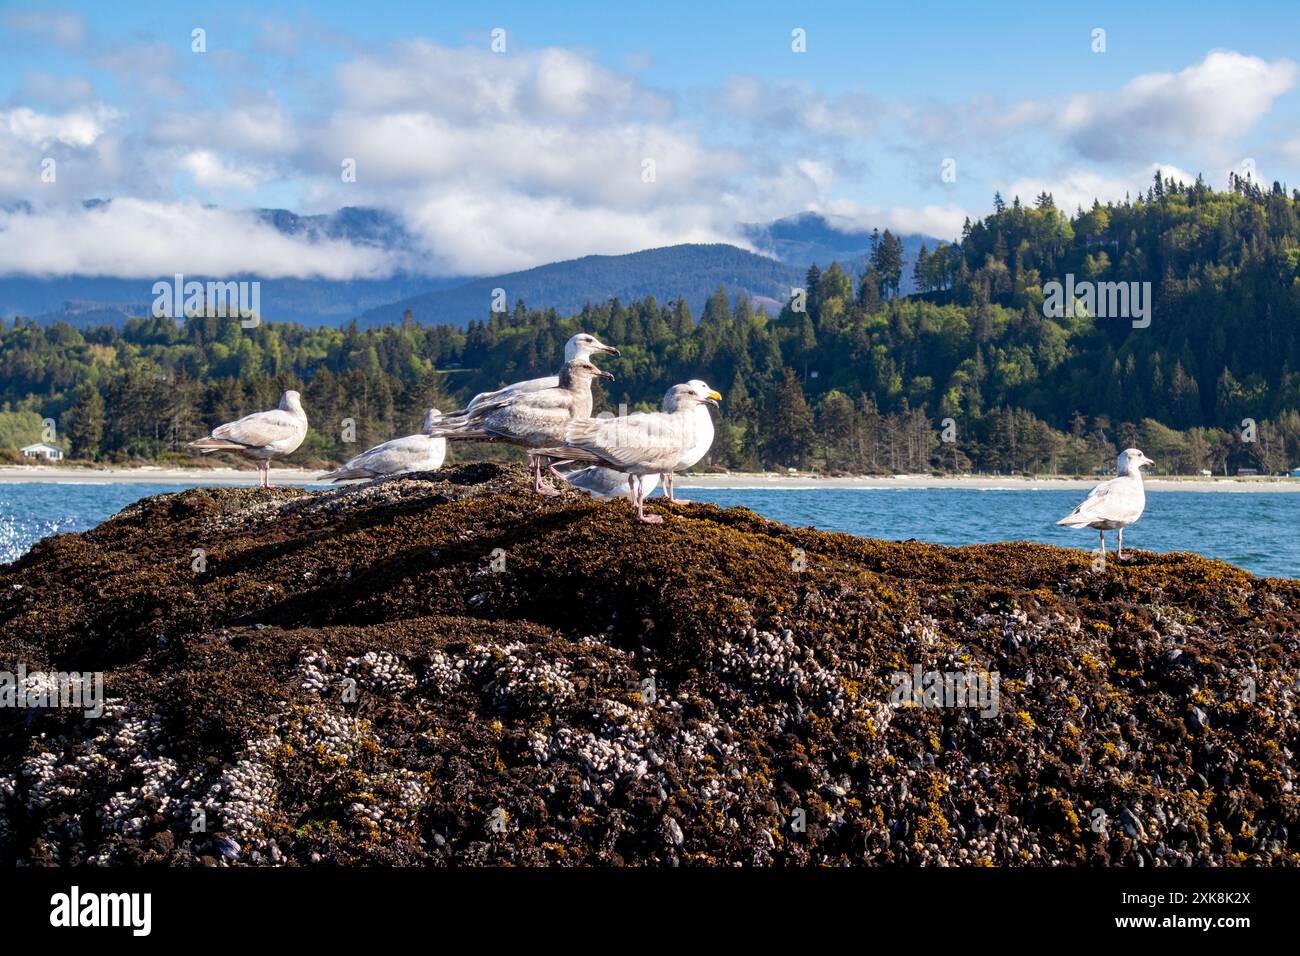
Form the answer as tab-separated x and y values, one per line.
29	512
1258	531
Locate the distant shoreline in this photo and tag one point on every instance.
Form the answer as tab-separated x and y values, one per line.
736	481
774	482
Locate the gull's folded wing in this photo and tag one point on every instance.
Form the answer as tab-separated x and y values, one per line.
261	429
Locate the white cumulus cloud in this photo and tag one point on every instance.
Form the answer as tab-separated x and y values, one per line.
942	222
1074	189
211	172
481	234
1207	105
80	127
139	238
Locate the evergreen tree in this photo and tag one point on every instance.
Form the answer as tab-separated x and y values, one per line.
84	425
790	432
921	270
887	261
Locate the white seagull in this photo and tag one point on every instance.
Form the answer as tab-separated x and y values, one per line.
1114	504
422	452
702	430
579	348
646	443
262	435
608	483
605	482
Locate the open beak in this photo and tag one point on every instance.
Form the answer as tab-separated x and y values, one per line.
606	375
611	350
712	399
1148	461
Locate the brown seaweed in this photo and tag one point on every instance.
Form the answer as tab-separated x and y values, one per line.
445	669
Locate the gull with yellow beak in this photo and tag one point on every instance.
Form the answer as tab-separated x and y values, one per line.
645	443
703	430
1114	504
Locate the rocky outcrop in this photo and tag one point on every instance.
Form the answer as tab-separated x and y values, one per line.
444	669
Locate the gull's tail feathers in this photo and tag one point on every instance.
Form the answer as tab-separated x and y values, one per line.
208	444
459	430
1074	520
346	474
566	453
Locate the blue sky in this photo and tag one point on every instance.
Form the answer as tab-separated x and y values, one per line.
501	160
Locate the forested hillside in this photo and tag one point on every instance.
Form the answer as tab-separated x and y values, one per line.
859	378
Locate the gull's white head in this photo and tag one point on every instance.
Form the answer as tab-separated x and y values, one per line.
291	401
1130	462
583	346
692	394
431	416
703	392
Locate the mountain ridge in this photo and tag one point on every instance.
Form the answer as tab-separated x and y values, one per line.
696	270
782	251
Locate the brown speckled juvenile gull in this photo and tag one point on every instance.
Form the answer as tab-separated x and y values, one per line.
579	348
531	418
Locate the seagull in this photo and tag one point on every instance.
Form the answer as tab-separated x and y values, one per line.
1114	504
646	443
703	432
422	452
262	435
608	483
605	482
580	348
533	418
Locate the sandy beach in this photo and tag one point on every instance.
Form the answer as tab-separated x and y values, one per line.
765	481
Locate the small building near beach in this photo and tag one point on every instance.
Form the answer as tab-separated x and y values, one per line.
42	450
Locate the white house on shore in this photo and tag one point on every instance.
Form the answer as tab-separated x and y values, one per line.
42	450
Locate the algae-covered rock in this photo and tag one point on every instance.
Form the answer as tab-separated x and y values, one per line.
445	669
